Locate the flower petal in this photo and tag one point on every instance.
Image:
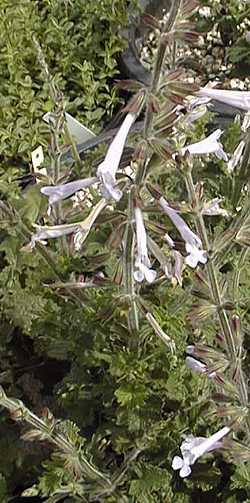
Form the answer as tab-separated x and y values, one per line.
108	168
221	154
138	276
185	471
150	275
177	463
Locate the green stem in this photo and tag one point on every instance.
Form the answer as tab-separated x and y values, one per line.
158	64
70	140
243	174
232	349
21	412
237	273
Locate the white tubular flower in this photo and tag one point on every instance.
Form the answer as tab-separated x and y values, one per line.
51	232
212	209
57	193
194	447
142	262
80	229
108	168
238	99
209	145
236	157
192	242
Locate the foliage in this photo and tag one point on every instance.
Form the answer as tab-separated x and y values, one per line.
124	399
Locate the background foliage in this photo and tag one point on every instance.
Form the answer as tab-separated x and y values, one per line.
58	354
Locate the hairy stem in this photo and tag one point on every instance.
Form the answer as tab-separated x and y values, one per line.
232	349
20	412
158	64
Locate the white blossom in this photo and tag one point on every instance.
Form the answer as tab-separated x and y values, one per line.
142	262
238	99
51	232
106	171
193	244
57	193
209	145
212	208
80	229
193	448
108	168
236	157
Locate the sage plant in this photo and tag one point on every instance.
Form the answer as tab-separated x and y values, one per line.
162	103
148	220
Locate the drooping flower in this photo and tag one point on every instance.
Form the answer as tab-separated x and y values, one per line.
238	99
194	447
108	168
45	232
142	262
80	229
193	244
195	365
209	145
57	193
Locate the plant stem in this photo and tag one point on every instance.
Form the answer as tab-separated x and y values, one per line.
71	141
21	412
158	64
232	349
